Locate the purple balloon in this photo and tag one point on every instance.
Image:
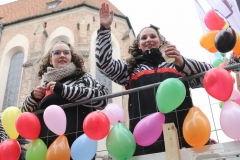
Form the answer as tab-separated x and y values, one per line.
237	101
229	119
149	129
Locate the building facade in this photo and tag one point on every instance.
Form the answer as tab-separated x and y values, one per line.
27	34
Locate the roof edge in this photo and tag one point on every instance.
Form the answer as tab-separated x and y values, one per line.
65	9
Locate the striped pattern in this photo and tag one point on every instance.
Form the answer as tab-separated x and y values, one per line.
3	134
116	70
75	90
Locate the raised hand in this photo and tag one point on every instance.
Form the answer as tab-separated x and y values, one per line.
172	52
106	17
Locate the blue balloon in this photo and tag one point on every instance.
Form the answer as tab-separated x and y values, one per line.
219	55
83	148
214	56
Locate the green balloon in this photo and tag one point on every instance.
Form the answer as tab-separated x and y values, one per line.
223	54
170	94
220	104
217	62
37	150
120	142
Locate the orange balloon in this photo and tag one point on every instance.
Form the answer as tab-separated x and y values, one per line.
212	50
236	48
59	149
196	128
207	40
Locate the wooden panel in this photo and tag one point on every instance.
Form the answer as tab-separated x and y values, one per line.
171	141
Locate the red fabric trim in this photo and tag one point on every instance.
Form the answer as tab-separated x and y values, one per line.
159	70
47	94
127	87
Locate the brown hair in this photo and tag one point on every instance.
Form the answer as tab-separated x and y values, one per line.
135	51
76	59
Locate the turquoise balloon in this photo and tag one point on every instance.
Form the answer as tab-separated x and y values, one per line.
37	150
170	94
120	142
217	62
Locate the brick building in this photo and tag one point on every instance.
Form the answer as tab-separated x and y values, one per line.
28	28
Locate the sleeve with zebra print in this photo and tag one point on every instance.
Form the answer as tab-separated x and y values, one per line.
29	105
116	70
84	88
3	134
192	67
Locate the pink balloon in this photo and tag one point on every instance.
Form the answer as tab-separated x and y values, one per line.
237	101
229	119
149	129
115	113
235	94
55	119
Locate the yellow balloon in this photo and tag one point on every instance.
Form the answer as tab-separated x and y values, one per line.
227	26
9	117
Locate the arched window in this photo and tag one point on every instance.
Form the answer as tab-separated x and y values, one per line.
105	81
13	81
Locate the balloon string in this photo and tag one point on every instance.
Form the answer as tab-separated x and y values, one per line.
225	19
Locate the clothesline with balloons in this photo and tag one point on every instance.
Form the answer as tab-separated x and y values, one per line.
120	142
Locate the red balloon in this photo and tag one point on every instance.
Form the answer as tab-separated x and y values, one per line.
28	125
10	150
222	65
218	83
1	152
96	125
213	21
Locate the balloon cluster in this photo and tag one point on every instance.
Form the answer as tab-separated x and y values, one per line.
220	39
219	84
196	127
120	142
96	126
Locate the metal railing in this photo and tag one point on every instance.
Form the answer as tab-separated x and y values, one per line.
126	92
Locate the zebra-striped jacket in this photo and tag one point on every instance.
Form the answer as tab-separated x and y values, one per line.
74	89
143	102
